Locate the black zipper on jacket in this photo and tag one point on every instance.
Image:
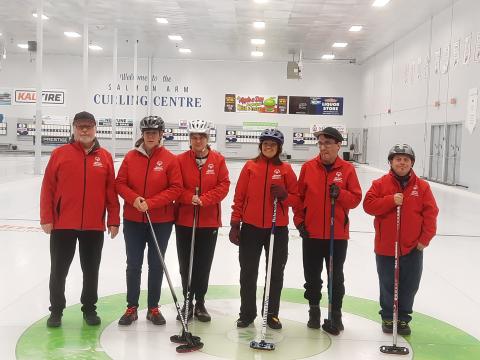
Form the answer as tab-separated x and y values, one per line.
84	186
145	184
265	193
325	204
400	227
199	192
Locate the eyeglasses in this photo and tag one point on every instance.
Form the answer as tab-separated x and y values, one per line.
84	126
326	143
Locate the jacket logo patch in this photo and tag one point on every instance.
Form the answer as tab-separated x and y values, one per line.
338	177
210	170
97	162
414	191
158	166
276	174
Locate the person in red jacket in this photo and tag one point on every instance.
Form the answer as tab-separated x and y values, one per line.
205	169
148	179
77	189
418	224
261	180
312	220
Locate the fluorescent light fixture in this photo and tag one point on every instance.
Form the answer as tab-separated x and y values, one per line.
95	47
328	57
72	34
162	20
257	53
184	50
257	41
355	28
380	3
175	37
22	46
339	44
44	17
0	34
259	24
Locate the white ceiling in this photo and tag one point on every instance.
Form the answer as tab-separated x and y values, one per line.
217	29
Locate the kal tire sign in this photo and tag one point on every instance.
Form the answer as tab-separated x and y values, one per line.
49	97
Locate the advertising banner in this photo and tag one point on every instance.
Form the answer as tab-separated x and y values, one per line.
5	96
309	105
269	104
49	97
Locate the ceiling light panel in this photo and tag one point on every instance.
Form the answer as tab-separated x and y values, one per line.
185	50
259	24
356	28
340	45
44	17
257	41
22	46
257	53
328	57
175	37
380	3
72	34
162	20
95	47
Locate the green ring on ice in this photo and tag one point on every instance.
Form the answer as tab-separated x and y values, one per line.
432	339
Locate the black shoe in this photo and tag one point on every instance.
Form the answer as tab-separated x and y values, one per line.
273	322
201	314
129	316
55	320
91	318
387	326
314	317
190	312
243	323
155	316
337	320
403	328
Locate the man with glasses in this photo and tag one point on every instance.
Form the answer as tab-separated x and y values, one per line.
78	190
320	177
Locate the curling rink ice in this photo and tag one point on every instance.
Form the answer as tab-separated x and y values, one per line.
445	324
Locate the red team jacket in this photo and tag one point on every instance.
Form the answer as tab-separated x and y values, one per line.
156	178
252	202
313	187
213	183
418	214
78	188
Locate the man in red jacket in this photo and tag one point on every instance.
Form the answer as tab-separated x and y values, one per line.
77	189
400	187
205	169
312	220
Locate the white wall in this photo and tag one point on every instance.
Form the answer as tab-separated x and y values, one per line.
209	80
384	86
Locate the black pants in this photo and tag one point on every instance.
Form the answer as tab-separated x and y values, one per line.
411	266
62	250
315	253
205	242
252	240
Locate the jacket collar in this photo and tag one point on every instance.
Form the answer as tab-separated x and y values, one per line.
336	164
96	145
142	150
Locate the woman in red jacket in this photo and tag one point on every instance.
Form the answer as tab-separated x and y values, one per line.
261	180
205	169
149	179
400	187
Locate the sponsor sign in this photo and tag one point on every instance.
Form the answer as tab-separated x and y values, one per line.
54	140
5	97
49	97
317	105
270	104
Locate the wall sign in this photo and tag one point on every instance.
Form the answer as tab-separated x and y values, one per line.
316	105
49	97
